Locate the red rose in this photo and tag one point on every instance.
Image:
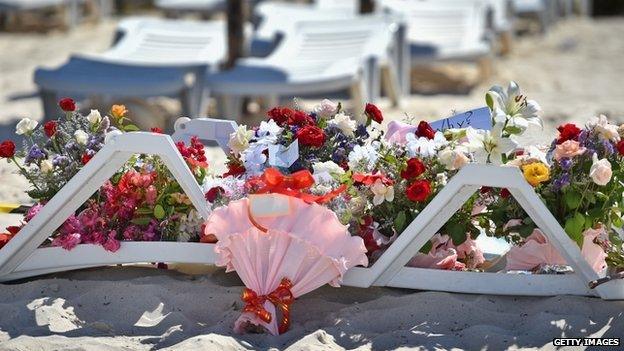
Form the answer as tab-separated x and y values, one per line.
6	237
279	115
504	193
50	128
213	193
415	167
86	158
311	136
7	149
419	191
67	104
620	147
156	130
373	113
424	130
300	118
568	131
285	115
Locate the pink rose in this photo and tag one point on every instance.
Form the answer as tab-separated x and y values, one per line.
600	171
568	149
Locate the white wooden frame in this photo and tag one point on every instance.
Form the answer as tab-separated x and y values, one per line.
21	257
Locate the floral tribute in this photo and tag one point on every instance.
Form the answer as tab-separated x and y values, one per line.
141	202
378	181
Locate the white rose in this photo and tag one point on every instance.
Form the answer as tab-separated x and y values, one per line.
600	171
25	126
239	140
112	134
382	192
326	108
344	123
452	159
327	167
94	117
46	166
81	137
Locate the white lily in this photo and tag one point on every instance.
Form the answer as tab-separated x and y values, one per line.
513	107
382	192
25	126
424	147
489	146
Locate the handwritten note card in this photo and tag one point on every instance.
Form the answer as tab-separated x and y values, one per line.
479	118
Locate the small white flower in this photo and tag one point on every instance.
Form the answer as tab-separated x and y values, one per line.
489	146
25	126
363	157
94	117
81	137
441	178
111	135
605	129
239	140
343	122
254	158
268	132
324	171
326	108
46	166
382	192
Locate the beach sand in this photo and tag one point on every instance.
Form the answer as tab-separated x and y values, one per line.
574	72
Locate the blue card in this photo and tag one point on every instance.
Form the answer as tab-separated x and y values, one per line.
479	118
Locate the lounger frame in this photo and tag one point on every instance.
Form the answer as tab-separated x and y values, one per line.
21	257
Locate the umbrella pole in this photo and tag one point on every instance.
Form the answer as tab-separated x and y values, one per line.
367	6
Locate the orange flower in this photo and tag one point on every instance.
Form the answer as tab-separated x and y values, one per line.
119	111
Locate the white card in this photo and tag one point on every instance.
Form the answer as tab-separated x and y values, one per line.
280	156
269	205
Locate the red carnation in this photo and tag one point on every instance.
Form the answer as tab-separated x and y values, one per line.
156	130
424	130
86	158
568	131
50	128
311	136
373	113
620	147
213	193
234	169
67	104
415	167
7	149
419	191
6	237
504	193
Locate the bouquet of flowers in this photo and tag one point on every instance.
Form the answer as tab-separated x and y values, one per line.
140	202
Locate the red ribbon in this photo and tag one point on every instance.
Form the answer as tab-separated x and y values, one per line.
281	297
294	185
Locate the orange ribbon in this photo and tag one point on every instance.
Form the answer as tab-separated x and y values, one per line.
294	185
281	297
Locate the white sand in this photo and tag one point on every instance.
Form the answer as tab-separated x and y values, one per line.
574	72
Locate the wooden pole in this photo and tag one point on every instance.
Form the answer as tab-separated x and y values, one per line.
367	6
236	15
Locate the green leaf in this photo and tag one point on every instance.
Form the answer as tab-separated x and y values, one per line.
513	130
574	227
572	199
141	220
131	128
525	230
489	100
457	231
159	212
400	222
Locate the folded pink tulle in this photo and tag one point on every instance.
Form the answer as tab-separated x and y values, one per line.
538	250
445	255
309	246
397	131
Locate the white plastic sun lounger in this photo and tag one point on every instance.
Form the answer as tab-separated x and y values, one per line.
443	30
22	257
278	19
155	57
318	57
175	8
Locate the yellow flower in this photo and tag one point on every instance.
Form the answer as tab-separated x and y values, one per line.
536	173
118	111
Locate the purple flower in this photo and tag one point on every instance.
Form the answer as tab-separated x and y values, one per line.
60	160
35	154
608	147
561	182
565	163
361	131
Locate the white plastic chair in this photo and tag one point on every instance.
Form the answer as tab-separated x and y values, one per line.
443	30
155	57
319	57
175	8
